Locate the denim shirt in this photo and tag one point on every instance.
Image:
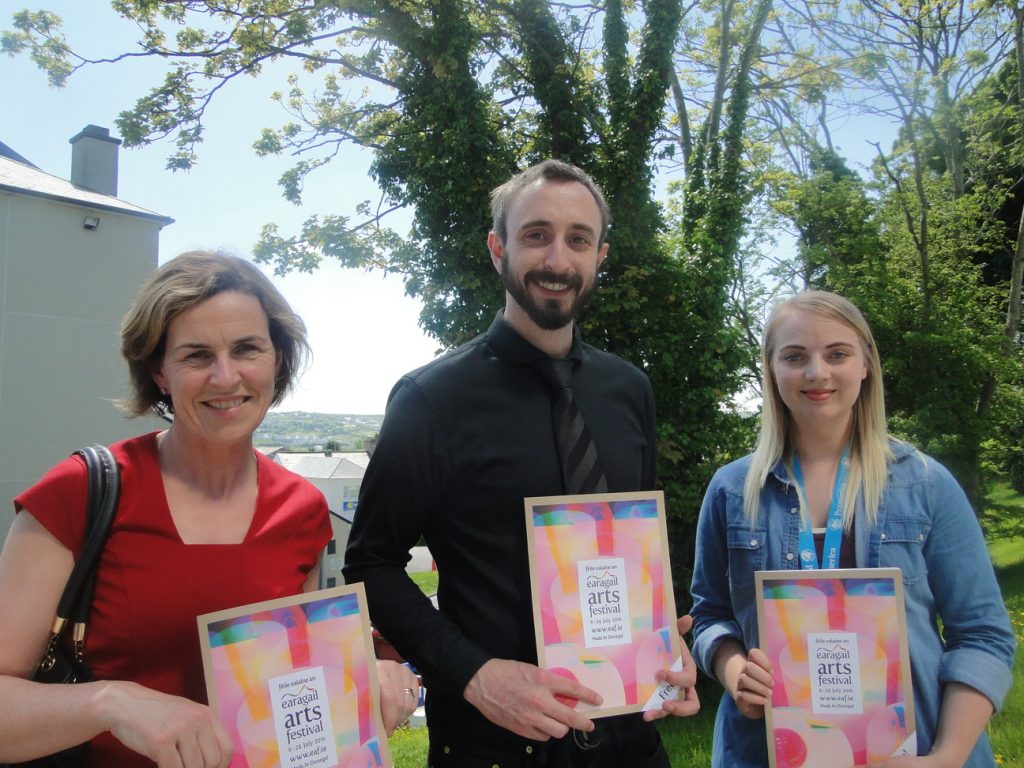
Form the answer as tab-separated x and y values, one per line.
925	527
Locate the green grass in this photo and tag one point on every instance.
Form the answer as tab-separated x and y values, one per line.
688	740
426	581
409	747
1005	729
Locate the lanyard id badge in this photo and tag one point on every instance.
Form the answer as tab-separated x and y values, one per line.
834	524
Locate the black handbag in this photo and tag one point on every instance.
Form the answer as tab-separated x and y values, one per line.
64	663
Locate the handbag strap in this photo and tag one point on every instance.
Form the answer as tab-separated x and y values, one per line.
76	600
101	518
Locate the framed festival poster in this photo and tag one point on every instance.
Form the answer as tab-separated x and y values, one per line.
837	641
603	608
294	681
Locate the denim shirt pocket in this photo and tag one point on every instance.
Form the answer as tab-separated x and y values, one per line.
746	555
901	546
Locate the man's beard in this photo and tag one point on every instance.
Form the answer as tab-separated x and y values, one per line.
548	314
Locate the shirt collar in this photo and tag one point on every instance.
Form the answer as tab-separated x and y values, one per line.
507	344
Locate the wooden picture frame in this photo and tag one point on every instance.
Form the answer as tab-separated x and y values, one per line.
837	642
294	681
603	606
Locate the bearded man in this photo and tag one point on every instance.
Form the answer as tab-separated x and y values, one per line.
464	440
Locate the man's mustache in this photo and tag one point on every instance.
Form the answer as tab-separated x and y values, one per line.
546	276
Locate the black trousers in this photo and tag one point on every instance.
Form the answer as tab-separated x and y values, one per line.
625	741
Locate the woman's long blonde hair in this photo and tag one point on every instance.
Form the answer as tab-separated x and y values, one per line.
870	451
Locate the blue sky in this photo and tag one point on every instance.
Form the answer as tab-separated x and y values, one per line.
363	329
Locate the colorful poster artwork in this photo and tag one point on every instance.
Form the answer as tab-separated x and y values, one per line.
838	646
604	612
294	681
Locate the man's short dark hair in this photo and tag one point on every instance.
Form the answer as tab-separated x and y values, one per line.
503	196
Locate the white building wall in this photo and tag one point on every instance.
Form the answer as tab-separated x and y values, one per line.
63	291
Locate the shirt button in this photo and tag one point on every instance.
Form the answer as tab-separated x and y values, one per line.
883	537
529	750
789	555
753	542
447	750
920	537
793	510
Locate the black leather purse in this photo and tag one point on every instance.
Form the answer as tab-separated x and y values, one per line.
63	662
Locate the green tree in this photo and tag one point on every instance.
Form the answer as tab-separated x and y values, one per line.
708	350
912	252
835	218
452	97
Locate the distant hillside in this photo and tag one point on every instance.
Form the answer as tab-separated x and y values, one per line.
317	431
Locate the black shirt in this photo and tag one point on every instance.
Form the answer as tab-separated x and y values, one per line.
847	550
464	440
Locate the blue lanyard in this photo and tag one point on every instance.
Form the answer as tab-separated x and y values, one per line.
834	525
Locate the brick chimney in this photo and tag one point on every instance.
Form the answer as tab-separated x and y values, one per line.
94	160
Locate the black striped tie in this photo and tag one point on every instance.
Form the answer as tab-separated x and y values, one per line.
581	470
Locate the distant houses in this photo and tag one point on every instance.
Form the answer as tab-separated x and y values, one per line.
338	476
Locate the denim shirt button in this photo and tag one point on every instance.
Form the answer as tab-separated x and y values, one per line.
883	536
753	542
920	537
793	510
789	555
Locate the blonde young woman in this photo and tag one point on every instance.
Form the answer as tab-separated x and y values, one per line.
823	402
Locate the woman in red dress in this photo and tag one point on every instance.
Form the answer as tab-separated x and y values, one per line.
205	522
